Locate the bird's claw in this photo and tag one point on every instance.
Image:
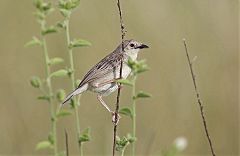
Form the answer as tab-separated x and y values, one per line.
120	86
114	119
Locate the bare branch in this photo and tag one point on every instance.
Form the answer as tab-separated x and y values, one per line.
190	63
123	33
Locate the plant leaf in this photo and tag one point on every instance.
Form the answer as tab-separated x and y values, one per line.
125	82
121	143
50	138
40	15
55	60
138	66
130	138
43	97
62	153
51	29
65	12
142	69
43	145
61	24
61	94
68	5
33	42
46	6
142	94
85	135
79	43
126	111
63	113
35	82
42	6
78	81
59	73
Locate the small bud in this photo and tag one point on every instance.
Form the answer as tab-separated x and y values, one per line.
35	82
61	95
77	82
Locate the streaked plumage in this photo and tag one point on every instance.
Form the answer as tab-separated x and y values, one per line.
101	78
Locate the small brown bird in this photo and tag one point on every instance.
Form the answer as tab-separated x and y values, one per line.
101	79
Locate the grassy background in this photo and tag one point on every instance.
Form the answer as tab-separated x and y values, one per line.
211	30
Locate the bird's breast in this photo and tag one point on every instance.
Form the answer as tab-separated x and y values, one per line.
126	70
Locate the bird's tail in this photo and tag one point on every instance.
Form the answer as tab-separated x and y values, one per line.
75	92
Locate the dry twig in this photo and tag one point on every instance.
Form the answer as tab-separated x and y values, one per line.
123	33
190	63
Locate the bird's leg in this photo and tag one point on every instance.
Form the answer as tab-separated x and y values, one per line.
106	82
99	97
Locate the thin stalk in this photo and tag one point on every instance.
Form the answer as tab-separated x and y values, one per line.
123	150
81	149
199	101
72	76
50	92
134	113
123	33
66	143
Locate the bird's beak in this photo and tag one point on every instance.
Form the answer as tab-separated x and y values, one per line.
142	46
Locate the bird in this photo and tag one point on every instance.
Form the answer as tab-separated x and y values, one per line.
101	78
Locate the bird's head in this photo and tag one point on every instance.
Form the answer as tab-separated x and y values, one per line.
132	47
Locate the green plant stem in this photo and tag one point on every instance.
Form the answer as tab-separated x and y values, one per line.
134	113
50	92
81	149
123	150
76	102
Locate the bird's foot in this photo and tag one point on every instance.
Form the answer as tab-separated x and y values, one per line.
115	119
120	86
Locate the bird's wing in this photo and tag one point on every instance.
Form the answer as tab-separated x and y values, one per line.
105	66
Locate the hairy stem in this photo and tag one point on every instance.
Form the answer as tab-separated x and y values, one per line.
66	143
123	150
50	92
199	101
134	113
75	101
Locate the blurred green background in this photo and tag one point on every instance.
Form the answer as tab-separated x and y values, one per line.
211	30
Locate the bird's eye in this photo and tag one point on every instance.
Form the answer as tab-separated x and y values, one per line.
131	45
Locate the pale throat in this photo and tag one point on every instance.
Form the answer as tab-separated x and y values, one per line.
132	54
